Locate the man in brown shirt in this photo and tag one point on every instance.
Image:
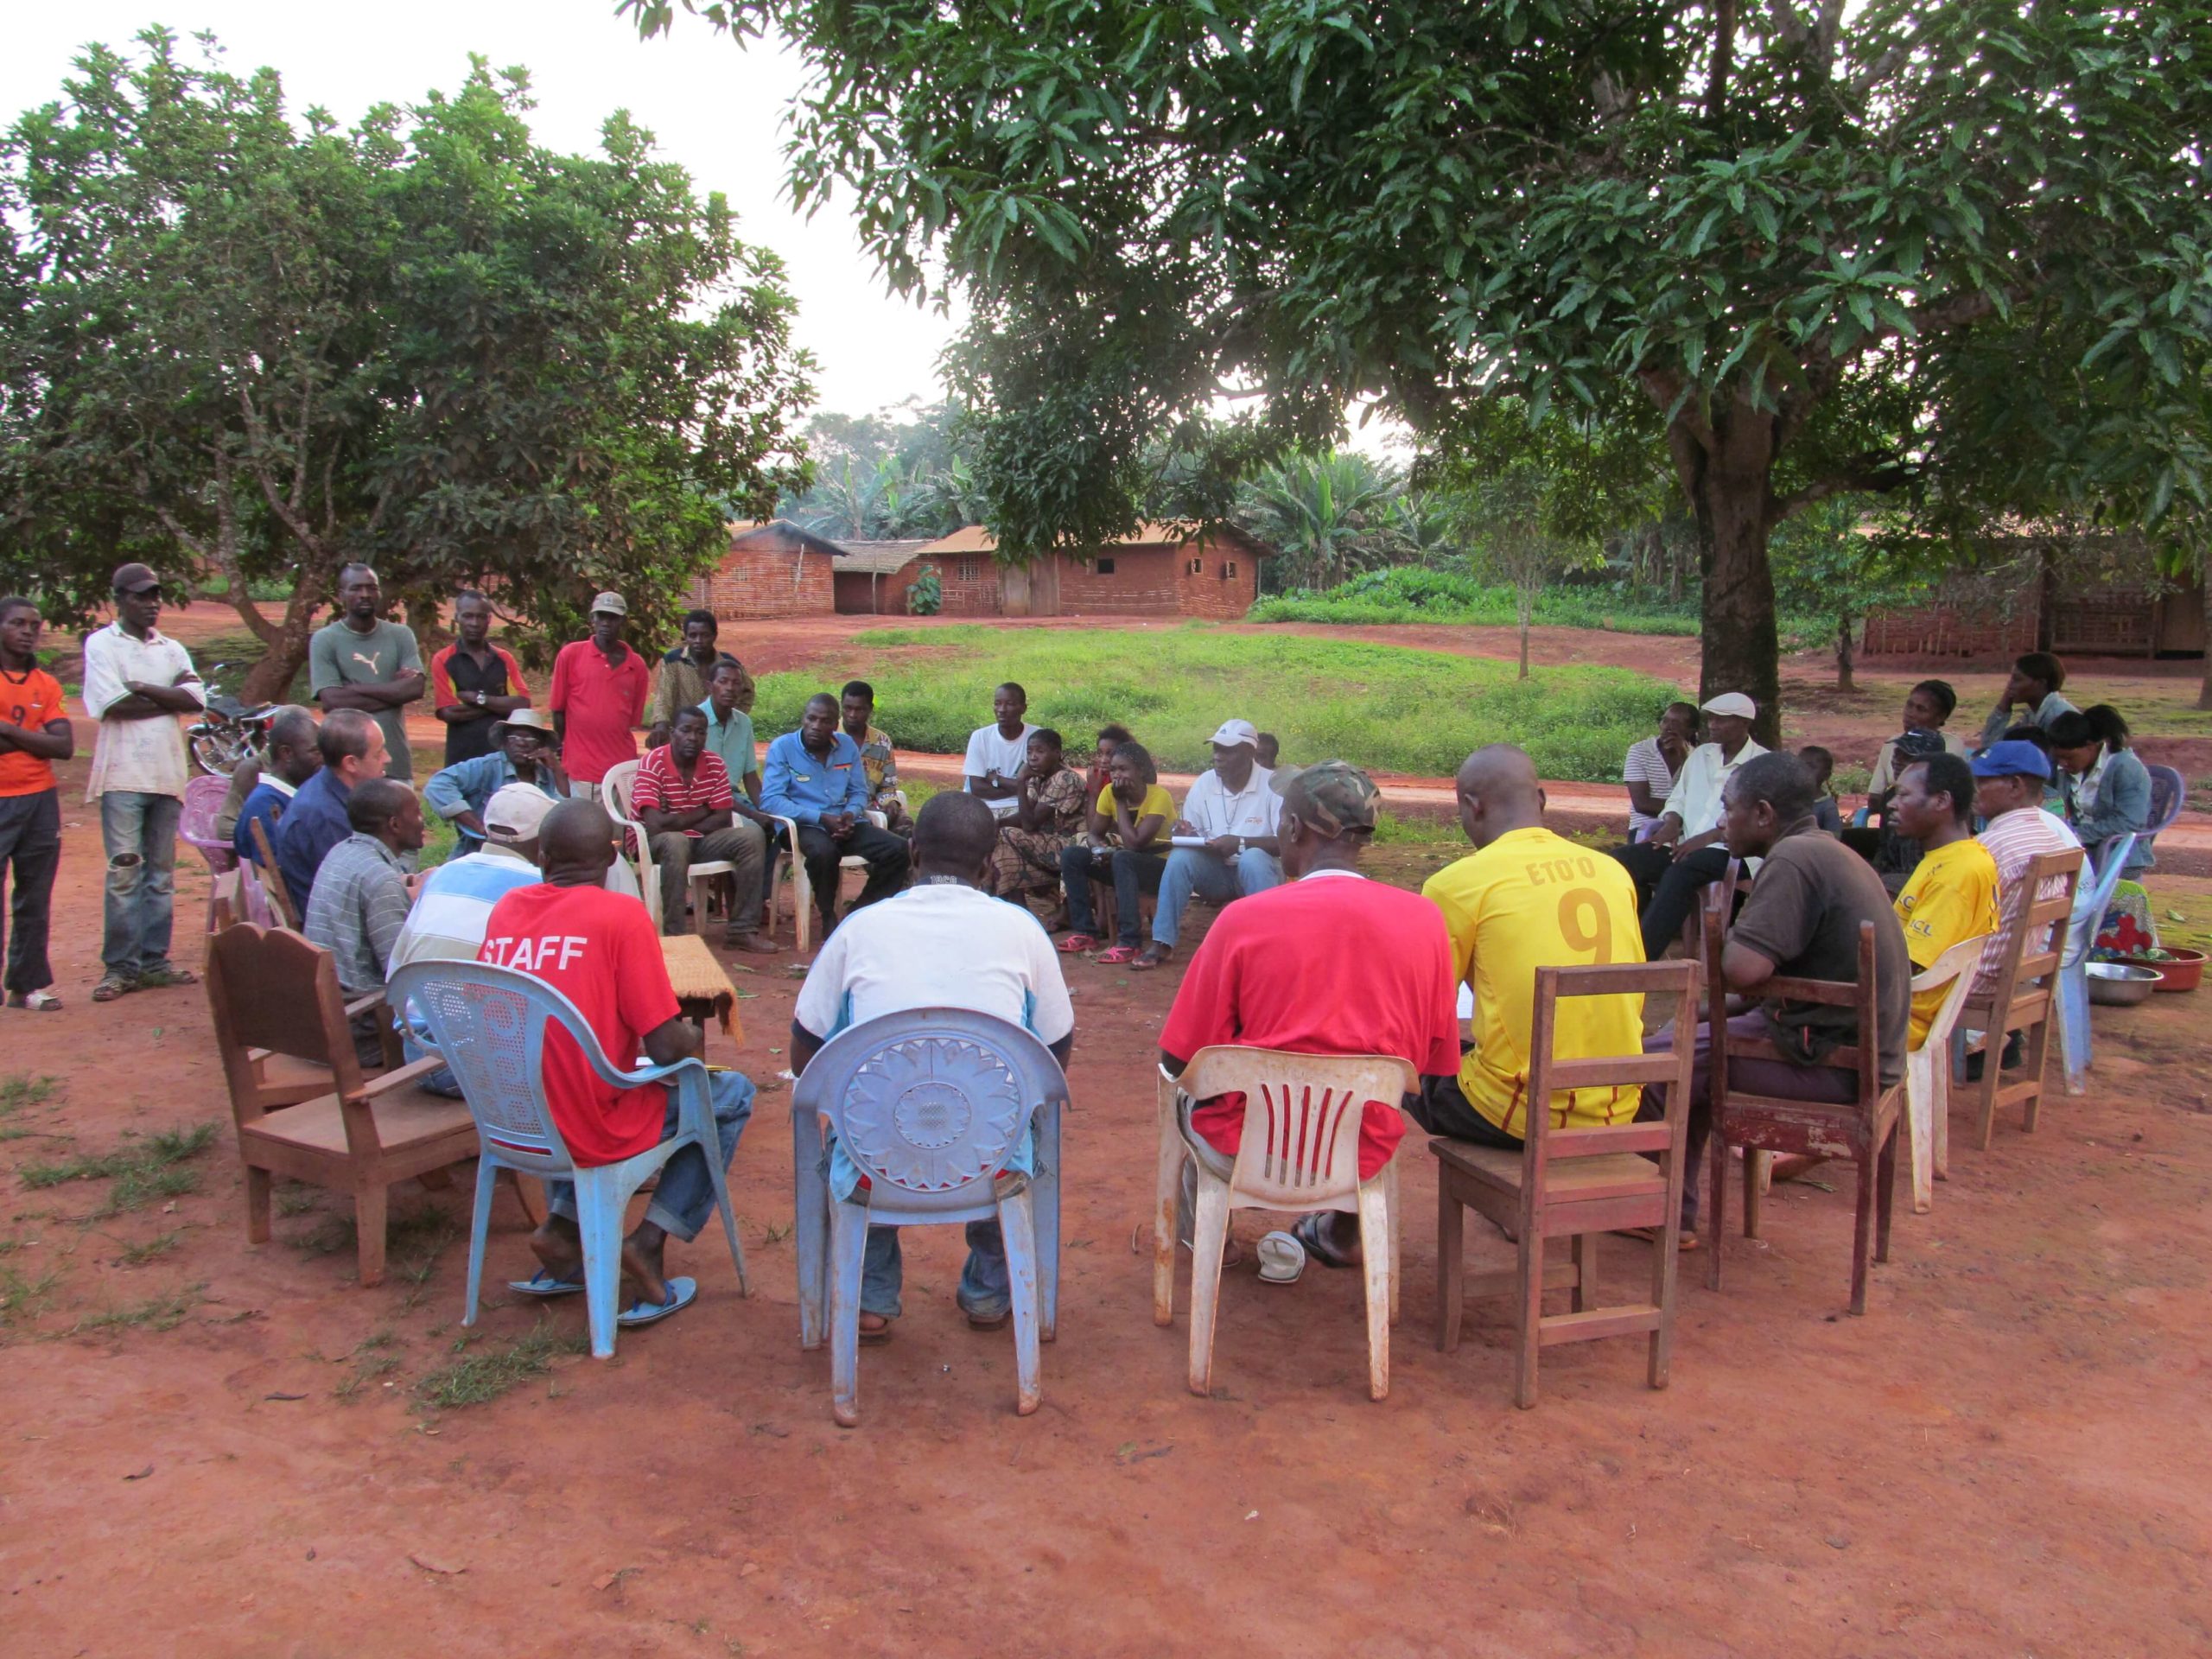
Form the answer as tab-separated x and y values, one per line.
1800	921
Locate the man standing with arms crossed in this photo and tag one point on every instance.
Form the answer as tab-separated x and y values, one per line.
474	684
138	681
34	732
360	661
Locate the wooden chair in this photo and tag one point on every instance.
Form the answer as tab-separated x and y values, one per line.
1863	1129
1573	1184
2022	996
272	878
274	999
1299	1151
225	905
1928	1070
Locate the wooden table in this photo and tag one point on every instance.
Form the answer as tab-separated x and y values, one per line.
700	985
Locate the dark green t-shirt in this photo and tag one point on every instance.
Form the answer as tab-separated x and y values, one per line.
1803	915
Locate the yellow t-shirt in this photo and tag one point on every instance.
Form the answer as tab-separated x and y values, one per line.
1532	899
1157	801
1952	896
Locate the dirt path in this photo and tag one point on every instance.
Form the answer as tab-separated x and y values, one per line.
2008	1454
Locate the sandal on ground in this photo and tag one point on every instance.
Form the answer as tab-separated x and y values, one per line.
682	1292
1116	957
542	1283
1153	955
39	1002
113	986
981	1321
160	979
1308	1233
1077	945
878	1337
1683	1240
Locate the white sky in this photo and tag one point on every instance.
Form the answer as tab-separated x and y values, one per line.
714	108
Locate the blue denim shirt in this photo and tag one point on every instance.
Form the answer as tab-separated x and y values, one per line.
469	785
796	785
314	823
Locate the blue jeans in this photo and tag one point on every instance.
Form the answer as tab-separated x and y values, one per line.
1193	869
985	1290
139	831
685	1201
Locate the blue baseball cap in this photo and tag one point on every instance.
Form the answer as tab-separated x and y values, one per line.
2017	758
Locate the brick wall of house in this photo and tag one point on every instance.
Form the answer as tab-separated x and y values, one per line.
1226	585
861	594
1141	583
1945	630
970	581
767	576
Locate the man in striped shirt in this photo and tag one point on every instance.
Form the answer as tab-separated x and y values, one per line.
682	797
2009	780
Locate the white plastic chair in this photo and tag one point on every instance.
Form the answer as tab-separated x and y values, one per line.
1300	1151
1928	1070
489	1025
2091	901
614	790
785	865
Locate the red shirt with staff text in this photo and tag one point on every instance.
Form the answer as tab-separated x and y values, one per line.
598	949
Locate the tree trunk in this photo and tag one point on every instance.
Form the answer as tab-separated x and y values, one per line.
269	680
1843	664
1528	609
2204	580
1725	470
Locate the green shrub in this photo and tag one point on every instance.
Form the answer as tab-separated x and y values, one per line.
1384	707
1410	594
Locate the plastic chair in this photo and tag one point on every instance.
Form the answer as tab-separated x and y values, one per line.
929	1104
785	865
1575	1183
1928	1070
253	897
489	1025
2167	791
615	791
1299	1151
2092	900
203	799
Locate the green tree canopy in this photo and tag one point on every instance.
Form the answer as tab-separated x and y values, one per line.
1954	251
261	348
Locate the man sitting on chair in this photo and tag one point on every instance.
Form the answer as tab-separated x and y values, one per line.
943	942
2010	778
1685	850
1527	899
360	898
1328	962
1233	811
1952	892
1800	921
683	798
815	778
598	950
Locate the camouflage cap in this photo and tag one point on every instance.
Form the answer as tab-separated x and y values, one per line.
1335	797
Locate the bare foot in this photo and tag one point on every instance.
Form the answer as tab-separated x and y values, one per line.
641	1263
874	1328
559	1248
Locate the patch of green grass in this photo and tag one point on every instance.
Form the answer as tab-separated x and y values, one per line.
24	1295
407	1233
1391	831
1384	707
138	1255
1412	593
155	1313
367	1368
156	1167
480	1373
19	1089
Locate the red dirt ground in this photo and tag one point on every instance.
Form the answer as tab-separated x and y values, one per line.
2009	1453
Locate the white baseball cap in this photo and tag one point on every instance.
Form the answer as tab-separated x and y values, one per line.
1234	732
1733	702
515	811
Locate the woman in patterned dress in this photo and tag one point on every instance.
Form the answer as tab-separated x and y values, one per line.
1049	812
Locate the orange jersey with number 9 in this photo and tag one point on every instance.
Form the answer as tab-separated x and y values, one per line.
1532	899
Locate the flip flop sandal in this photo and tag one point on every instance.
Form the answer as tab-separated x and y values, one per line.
1282	1259
161	978
38	1001
542	1283
682	1292
1139	965
1308	1234
112	987
1116	957
878	1337
988	1321
1077	944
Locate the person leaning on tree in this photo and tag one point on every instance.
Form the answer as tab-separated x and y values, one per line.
361	661
474	684
34	732
138	681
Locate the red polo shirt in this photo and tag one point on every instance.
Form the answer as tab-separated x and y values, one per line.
601	705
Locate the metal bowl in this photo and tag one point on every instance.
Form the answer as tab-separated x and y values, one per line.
2119	986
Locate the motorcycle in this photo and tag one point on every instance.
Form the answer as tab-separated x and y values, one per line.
229	732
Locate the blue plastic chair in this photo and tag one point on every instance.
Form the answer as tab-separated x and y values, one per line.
2090	903
490	1024
929	1104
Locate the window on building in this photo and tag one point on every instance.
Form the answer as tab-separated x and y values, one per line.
1104	567
1197	566
971	569
1228	571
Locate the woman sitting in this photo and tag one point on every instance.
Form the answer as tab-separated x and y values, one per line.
2106	788
1048	815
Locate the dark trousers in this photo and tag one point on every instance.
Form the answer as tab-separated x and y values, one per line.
1667	888
1441	1109
1133	874
1778	1080
886	857
30	852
